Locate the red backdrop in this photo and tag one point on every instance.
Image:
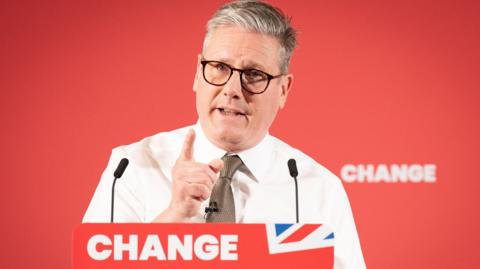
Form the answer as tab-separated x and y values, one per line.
375	82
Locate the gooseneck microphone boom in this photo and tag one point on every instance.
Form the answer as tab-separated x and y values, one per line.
292	167
122	165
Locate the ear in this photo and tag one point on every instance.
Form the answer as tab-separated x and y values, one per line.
287	82
198	73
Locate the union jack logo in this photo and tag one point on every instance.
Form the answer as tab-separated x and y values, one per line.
295	237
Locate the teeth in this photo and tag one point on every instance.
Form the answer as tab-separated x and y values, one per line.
229	112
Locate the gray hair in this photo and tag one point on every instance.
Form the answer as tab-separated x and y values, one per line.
258	17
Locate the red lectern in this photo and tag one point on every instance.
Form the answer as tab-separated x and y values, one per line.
202	246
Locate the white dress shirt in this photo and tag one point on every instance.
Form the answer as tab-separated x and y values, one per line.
263	189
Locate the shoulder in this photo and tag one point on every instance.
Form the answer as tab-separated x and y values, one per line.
152	149
307	166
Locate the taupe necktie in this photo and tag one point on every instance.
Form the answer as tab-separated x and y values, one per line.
221	199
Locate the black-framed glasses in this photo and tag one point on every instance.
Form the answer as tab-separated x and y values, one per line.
252	80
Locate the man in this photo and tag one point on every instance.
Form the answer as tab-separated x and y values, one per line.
227	168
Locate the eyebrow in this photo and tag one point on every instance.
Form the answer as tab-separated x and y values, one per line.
254	66
248	65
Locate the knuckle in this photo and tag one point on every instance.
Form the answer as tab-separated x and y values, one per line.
202	180
197	188
206	169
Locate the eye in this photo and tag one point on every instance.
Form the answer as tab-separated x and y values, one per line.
254	75
221	67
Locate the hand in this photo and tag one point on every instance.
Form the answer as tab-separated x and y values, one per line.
192	183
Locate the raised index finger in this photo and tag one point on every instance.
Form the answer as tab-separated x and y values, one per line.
187	149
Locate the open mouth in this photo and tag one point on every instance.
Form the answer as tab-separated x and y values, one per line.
228	112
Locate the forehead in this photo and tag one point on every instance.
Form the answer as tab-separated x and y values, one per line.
243	49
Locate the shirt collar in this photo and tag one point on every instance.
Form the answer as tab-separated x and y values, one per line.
256	159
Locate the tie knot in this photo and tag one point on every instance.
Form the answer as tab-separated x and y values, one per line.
231	165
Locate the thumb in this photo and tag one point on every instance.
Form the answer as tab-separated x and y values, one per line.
216	165
187	149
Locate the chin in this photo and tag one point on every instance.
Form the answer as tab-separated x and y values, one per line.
230	139
229	135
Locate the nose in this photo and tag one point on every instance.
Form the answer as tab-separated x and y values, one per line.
233	88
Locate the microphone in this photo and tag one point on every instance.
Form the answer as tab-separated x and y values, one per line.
292	167
121	168
212	207
122	165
